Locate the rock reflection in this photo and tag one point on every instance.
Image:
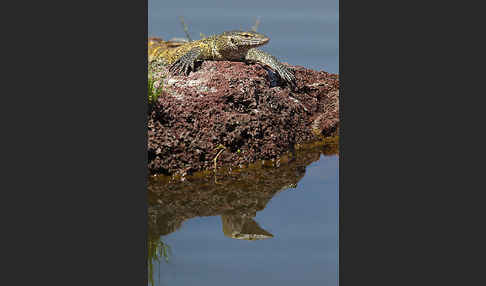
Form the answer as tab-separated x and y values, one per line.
236	196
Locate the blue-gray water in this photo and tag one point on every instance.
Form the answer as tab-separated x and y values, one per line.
304	221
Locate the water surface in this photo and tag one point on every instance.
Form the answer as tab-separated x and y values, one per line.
262	226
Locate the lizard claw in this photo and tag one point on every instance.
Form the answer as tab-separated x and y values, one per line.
186	63
179	68
287	76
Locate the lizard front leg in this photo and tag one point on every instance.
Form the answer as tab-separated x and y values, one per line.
182	64
260	56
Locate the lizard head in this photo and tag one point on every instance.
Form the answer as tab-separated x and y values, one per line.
244	39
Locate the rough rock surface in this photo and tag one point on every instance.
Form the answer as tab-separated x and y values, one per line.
243	107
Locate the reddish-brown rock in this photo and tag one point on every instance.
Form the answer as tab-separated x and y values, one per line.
243	107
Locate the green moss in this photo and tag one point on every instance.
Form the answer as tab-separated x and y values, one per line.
153	93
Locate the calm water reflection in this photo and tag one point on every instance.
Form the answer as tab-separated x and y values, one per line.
252	227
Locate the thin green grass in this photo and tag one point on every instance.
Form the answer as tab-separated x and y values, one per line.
157	251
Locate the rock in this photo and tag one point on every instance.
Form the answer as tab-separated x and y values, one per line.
243	107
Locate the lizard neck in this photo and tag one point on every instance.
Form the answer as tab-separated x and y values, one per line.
215	50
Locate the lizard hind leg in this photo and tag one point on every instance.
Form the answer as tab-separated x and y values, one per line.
186	62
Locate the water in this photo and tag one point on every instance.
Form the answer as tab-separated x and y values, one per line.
260	226
198	221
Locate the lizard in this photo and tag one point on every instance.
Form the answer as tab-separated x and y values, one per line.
229	46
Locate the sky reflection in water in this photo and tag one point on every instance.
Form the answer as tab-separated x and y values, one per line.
302	220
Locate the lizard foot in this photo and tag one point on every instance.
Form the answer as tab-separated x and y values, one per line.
181	67
287	76
185	64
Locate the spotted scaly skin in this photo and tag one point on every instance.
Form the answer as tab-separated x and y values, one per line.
156	45
228	46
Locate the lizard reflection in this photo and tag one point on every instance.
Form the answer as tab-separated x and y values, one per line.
237	198
243	226
239	227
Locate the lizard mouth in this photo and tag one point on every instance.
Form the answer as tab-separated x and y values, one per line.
258	42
